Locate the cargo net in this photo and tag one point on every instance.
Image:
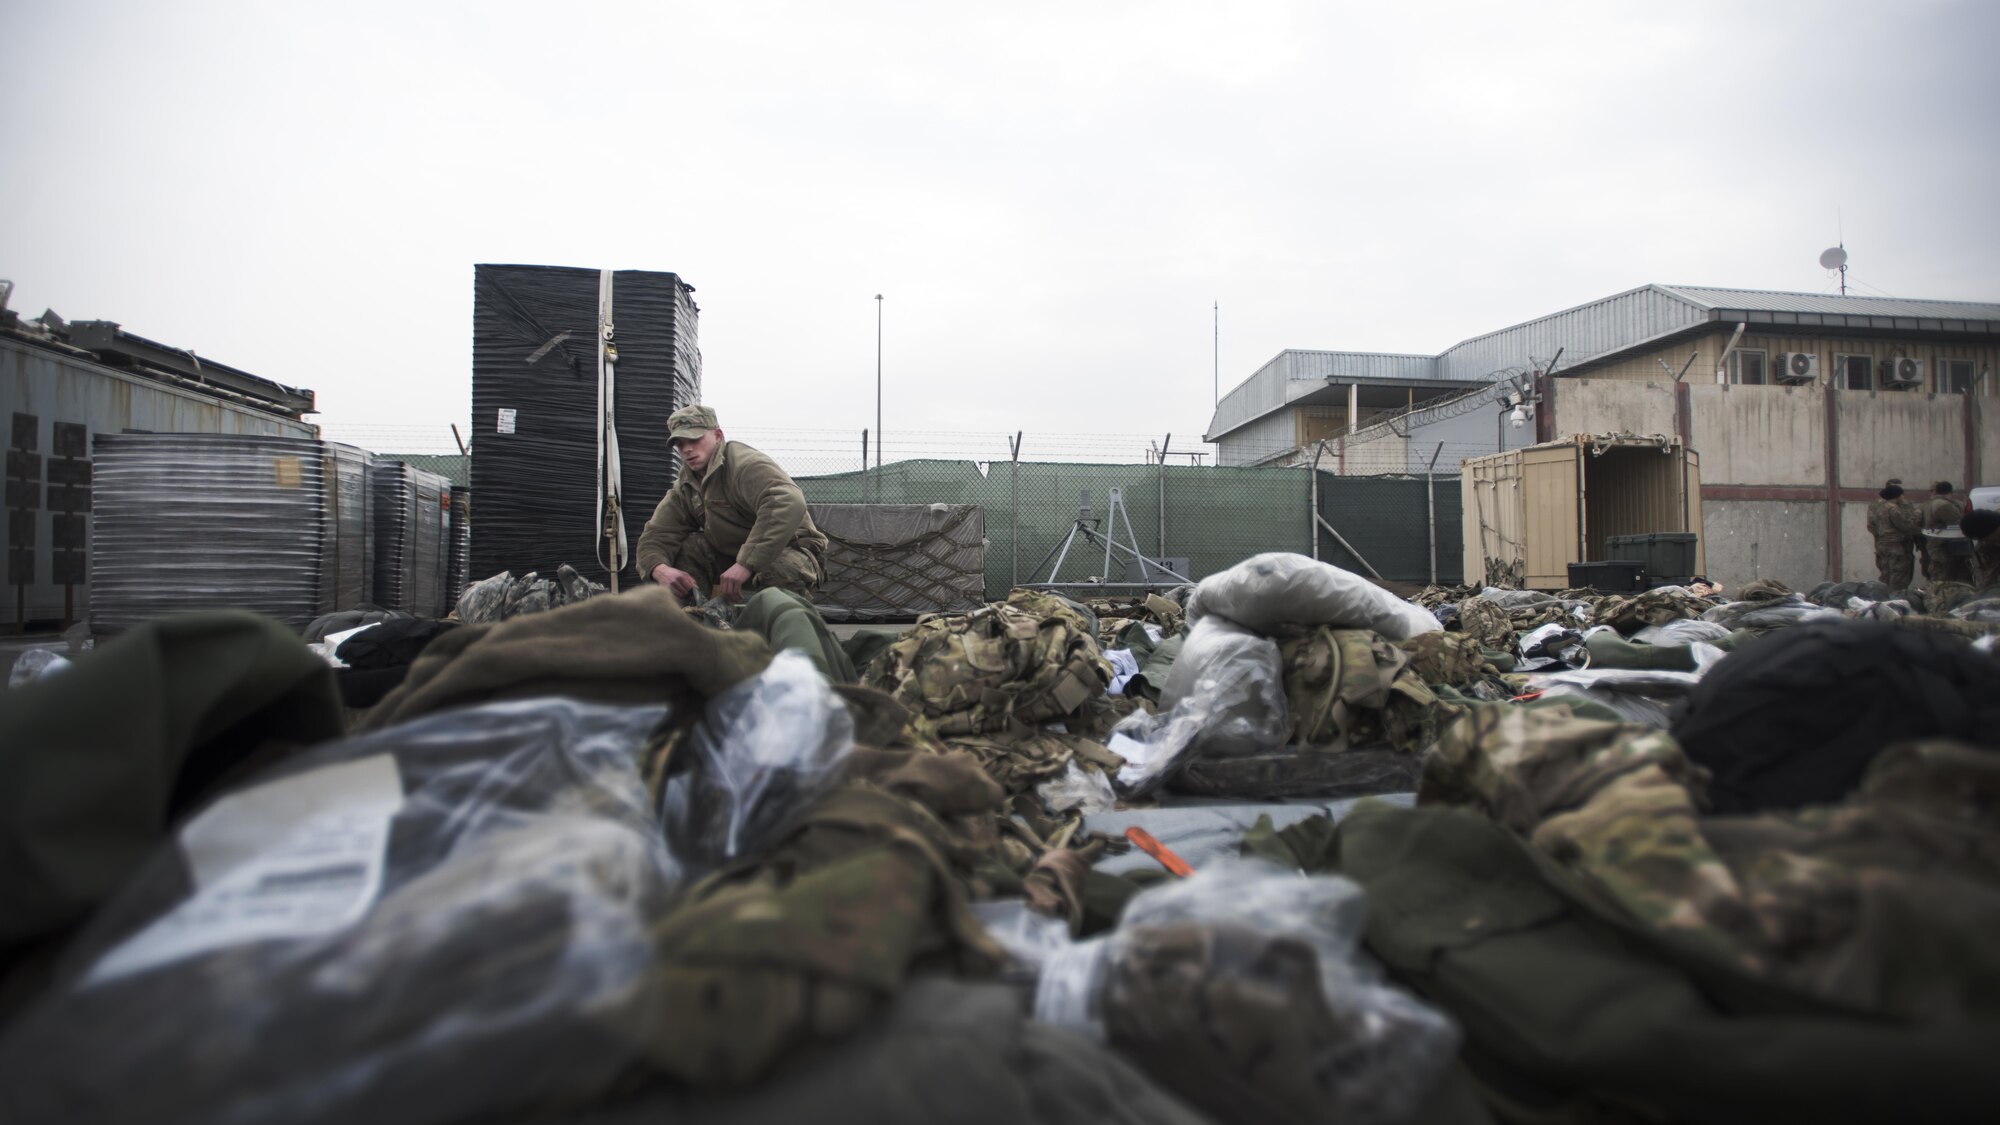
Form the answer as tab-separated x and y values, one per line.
899	560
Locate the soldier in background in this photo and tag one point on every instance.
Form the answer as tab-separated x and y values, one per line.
1983	528
1943	512
733	522
1896	527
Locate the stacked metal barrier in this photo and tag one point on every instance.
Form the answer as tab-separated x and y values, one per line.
276	525
411	557
535	407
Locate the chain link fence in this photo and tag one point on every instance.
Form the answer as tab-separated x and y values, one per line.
1109	513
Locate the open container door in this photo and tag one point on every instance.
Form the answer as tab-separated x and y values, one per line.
1552	513
1691	507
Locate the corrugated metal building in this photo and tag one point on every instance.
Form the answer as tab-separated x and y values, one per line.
1646	334
62	384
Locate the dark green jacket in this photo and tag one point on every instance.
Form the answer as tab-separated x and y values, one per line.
747	508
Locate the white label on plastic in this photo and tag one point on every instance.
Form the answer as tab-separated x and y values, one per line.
505	423
294	858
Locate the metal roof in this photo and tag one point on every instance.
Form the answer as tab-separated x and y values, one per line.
1755	300
1594	332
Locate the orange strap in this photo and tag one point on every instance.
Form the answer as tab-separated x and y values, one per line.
1159	851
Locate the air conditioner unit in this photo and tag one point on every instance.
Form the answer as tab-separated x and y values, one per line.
1796	367
1903	372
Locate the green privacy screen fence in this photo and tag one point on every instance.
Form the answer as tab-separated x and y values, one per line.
1214	516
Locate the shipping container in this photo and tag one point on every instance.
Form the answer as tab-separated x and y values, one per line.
1529	513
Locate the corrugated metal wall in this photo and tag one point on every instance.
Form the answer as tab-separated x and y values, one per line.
55	390
1580	334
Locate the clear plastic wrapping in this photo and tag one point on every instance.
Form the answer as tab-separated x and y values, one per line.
1553	645
181	522
1225	697
763	750
449	919
411	556
1079	789
1682	632
1199	969
1775	613
1281	588
1638	695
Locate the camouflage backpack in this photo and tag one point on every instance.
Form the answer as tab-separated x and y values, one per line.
1023	661
1351	686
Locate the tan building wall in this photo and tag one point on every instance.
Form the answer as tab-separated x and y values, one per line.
1601	406
1988	430
1759	435
1917	437
1652	366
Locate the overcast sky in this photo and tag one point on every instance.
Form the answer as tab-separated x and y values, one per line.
1049	195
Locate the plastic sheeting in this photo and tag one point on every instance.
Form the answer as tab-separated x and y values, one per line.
410	538
1281	588
446	920
1225	697
458	537
534	409
898	560
1198	968
281	526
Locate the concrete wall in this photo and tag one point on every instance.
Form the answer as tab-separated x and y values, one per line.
1918	437
1759	435
1751	539
1988	432
1857	547
1599	406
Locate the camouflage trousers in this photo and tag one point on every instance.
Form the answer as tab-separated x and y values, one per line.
1895	563
1943	566
796	570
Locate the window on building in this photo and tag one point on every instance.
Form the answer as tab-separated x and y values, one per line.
1954	376
1747	367
1857	372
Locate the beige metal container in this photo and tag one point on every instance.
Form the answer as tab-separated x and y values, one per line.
1529	513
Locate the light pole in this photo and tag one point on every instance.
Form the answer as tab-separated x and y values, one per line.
878	398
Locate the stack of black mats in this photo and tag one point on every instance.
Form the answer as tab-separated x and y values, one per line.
410	544
535	407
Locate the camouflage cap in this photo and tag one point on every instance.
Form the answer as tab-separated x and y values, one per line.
690	422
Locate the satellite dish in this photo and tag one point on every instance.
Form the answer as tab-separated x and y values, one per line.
1833	258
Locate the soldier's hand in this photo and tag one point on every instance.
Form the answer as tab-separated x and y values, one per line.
733	580
679	581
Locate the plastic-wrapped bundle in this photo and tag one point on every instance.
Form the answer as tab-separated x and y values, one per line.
1684	632
458	536
763	750
535	408
1244	990
410	560
1225	697
1281	588
278	525
448	919
1770	613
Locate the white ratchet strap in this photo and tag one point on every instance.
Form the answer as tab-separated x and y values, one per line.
610	481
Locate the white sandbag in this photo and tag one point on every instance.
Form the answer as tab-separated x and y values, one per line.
1280	588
